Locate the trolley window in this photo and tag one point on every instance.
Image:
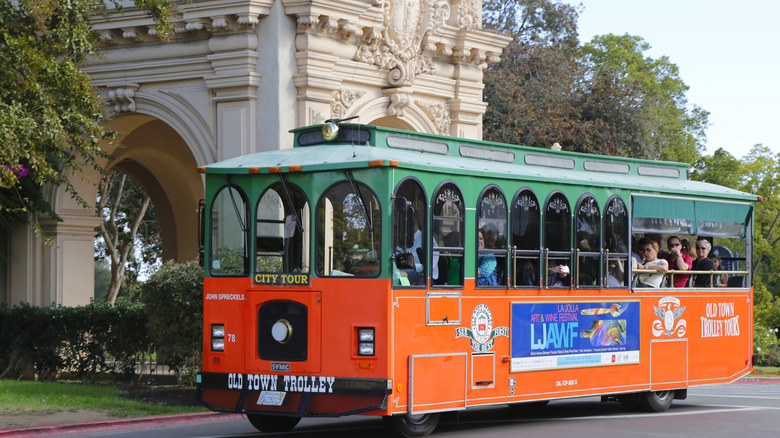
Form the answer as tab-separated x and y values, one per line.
557	240
410	234
526	219
491	239
281	243
448	221
349	231
616	242
228	237
588	241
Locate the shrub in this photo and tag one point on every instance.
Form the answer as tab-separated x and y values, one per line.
84	340
173	298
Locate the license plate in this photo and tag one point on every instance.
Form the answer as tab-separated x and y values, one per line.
271	398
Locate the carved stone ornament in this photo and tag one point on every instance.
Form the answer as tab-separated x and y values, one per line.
439	114
342	100
398	103
121	99
403	47
470	14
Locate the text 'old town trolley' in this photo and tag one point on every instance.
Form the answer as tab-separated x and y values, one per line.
374	271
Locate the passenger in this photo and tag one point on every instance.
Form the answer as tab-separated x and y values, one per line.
617	274
678	261
486	272
723	279
659	241
703	263
651	262
557	274
637	252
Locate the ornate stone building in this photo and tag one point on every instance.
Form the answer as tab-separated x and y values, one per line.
235	77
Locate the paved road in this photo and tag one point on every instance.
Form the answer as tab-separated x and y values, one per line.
738	410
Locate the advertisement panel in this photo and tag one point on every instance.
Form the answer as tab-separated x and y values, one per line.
574	334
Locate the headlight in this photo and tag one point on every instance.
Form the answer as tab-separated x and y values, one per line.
217	337
366	349
366	335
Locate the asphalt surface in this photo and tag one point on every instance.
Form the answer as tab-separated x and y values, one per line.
170	420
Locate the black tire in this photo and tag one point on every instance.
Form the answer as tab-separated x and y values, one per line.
272	423
412	426
659	401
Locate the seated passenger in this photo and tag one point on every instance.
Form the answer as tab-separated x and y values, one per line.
651	262
486	272
678	260
722	279
557	274
703	263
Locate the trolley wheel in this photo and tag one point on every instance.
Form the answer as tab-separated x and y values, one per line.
272	423
649	401
412	426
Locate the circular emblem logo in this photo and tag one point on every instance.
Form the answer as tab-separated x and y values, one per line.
481	323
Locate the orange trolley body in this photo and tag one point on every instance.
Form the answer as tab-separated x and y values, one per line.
434	354
318	301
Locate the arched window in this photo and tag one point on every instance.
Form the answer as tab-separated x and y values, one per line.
349	231
526	226
281	231
410	234
587	239
557	240
447	237
491	238
228	232
616	242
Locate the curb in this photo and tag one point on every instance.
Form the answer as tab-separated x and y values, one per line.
109	425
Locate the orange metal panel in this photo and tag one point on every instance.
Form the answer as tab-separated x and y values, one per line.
437	382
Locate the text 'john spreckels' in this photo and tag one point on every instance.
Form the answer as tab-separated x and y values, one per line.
265	382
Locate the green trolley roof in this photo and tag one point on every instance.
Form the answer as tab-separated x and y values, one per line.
361	146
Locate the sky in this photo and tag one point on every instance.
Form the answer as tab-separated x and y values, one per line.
728	54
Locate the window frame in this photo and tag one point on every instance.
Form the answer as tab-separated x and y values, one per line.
247	217
578	254
424	230
320	233
496	252
539	250
291	187
558	254
456	251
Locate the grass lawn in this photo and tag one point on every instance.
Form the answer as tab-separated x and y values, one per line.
766	371
42	397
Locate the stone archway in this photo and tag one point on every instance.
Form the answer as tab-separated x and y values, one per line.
156	156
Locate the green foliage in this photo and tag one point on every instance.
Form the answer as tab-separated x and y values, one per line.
642	100
85	340
766	346
605	97
51	120
532	94
173	297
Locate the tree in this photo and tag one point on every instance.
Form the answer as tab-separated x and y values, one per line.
130	232
51	118
642	100
533	93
